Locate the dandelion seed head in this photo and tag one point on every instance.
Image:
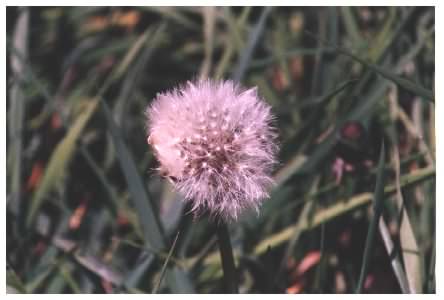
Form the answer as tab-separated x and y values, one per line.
217	141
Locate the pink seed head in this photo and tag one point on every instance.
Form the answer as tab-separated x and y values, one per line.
215	141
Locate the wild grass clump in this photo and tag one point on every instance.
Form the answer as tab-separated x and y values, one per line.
88	213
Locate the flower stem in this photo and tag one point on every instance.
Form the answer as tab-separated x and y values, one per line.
226	254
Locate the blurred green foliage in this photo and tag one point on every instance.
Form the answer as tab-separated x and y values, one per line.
87	213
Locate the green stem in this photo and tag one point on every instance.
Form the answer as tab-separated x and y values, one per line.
226	254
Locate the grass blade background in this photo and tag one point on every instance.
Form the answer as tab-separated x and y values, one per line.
378	199
397	266
409	246
57	166
402	82
147	215
328	214
162	272
93	224
152	231
16	118
14	282
247	54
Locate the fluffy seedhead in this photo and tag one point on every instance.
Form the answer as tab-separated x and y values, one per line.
214	140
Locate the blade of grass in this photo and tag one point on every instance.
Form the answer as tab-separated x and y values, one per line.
175	15
145	249
59	161
342	206
14	281
179	282
135	274
132	79
236	38
412	129
430	283
35	283
402	82
381	52
165	264
247	54
112	199
359	113
264	62
395	259
384	37
289	169
50	99
280	41
229	48
351	25
145	208
329	188
362	108
321	269
208	14
17	106
410	249
296	163
66	273
132	53
98	267
328	95
304	217
377	211
56	285
127	60
132	65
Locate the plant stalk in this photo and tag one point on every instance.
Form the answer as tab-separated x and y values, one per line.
226	254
